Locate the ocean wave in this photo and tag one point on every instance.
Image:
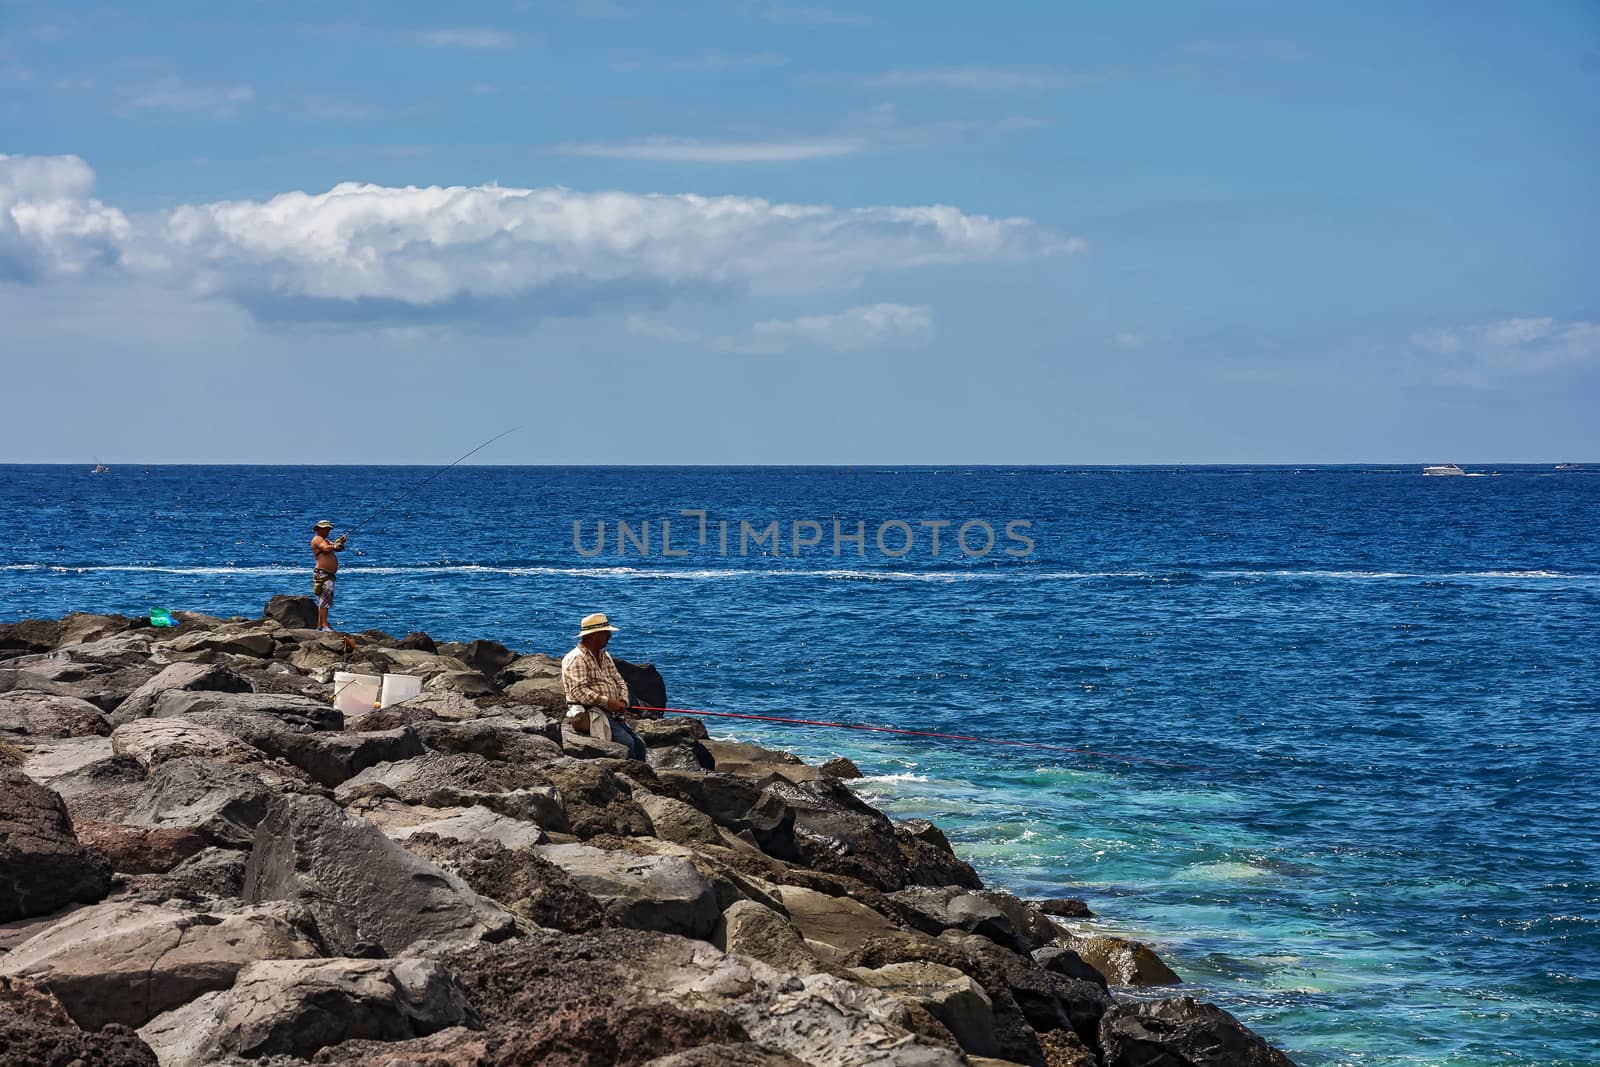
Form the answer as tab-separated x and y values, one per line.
903	776
1019	575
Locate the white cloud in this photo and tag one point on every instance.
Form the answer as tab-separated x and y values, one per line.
50	225
399	256
689	150
465	37
1129	341
854	329
1485	353
857	328
172	94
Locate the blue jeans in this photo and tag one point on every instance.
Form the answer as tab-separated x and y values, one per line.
603	723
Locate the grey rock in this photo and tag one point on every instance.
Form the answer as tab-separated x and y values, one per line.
500	737
364	889
255	642
30	714
1122	962
675	821
948	995
293	612
154	741
749	929
1181	1032
959	909
289	709
42	864
476	823
296	1007
661	893
202	677
221	802
126	961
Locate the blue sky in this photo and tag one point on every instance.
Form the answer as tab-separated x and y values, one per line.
793	233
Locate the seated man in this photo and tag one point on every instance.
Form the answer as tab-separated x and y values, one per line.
595	687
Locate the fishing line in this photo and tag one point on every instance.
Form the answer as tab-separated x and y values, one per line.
426	480
919	733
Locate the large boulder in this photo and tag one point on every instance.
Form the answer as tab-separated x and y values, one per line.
750	929
835	925
530	740
139	849
519	879
469	825
94	783
841	833
30	714
191	677
1123	962
154	741
661	893
292	612
220	802
296	1007
252	642
1048	999
43	866
104	688
611	992
127	962
958	909
948	995
366	891
1180	1032
646	689
291	710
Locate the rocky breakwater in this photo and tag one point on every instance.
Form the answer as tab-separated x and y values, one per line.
201	861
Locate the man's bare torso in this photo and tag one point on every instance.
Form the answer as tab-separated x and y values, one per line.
327	558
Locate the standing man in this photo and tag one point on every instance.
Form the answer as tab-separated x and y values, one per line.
326	553
594	685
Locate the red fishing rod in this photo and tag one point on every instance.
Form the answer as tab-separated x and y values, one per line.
913	733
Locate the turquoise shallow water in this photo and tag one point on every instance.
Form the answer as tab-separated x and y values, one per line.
1350	712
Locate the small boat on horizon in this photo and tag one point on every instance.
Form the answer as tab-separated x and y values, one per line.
1443	469
100	468
1568	467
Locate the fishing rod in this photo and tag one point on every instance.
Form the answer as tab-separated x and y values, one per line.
917	733
426	480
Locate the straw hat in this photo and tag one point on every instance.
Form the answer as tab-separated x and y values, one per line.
594	624
323	525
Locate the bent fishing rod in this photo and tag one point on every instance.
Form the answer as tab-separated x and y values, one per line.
425	481
917	733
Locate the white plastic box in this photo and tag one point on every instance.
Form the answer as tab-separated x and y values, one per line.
398	687
354	694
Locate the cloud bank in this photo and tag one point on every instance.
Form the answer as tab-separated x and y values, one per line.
361	252
1484	353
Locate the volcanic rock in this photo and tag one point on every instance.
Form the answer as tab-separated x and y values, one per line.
43	866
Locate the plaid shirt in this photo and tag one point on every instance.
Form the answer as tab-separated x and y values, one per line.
591	681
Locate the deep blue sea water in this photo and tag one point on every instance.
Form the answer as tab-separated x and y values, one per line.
1355	707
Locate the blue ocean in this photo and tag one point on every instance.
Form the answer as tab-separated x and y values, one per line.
1325	738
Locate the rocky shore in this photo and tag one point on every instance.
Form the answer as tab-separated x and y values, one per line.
202	861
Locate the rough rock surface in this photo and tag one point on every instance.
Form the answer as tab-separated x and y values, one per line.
296	1007
43	866
126	962
179	677
365	890
1181	1032
661	893
26	713
25	1040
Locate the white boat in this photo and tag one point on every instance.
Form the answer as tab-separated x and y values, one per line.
1568	467
1443	468
100	468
